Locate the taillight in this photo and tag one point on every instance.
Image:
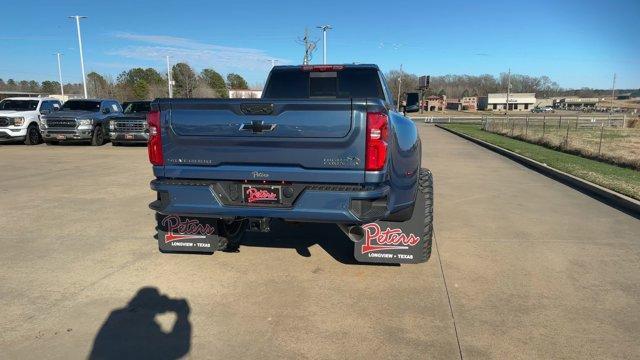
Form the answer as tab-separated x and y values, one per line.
154	146
376	143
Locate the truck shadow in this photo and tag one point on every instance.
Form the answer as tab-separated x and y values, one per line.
301	236
132	332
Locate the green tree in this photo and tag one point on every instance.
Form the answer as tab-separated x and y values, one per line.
11	84
442	92
50	87
185	79
140	89
34	86
97	85
138	83
215	81
465	93
237	82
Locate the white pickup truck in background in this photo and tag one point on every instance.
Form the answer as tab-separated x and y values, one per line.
20	118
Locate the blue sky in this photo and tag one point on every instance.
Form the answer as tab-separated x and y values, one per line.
576	43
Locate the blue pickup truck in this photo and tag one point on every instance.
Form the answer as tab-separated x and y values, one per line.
323	144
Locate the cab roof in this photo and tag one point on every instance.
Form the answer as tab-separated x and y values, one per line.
30	98
337	66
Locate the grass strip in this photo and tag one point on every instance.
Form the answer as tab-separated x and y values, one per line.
623	180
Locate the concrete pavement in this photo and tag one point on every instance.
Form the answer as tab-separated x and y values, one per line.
533	269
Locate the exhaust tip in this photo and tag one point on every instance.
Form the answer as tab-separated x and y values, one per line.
355	233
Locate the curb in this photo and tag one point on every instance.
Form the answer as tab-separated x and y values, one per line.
619	201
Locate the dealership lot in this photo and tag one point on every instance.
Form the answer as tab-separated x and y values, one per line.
525	267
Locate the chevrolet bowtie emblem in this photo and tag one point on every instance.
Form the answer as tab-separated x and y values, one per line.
257	126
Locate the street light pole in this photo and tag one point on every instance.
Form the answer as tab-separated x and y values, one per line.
169	80
324	41
60	76
399	88
508	90
84	80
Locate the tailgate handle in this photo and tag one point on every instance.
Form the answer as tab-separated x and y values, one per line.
256	109
257	126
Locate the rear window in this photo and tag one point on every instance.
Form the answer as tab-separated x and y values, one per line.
136	107
81	105
295	83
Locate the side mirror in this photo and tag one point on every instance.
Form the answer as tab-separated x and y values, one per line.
106	110
45	112
56	108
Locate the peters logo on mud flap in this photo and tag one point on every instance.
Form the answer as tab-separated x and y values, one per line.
375	239
188	229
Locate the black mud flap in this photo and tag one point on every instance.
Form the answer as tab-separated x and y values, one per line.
187	234
407	242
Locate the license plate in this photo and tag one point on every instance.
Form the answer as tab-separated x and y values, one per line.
261	194
61	137
128	136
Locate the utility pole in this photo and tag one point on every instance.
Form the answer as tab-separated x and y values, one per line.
84	80
399	88
613	91
324	41
169	79
60	76
508	89
309	47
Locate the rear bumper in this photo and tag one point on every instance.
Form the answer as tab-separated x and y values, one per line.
199	198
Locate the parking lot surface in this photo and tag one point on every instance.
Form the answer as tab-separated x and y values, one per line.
524	267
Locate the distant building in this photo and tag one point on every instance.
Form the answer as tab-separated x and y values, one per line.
245	94
467	103
575	103
7	94
516	102
436	103
454	104
625	96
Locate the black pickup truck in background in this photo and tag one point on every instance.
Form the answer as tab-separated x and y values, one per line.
132	126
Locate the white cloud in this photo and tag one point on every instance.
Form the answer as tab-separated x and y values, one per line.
199	54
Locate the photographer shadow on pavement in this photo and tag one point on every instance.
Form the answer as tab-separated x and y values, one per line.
302	236
132	332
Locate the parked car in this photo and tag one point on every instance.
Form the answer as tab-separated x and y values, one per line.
131	127
20	118
324	144
80	120
545	109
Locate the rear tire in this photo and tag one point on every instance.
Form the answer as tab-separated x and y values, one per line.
33	135
113	143
98	136
425	187
231	234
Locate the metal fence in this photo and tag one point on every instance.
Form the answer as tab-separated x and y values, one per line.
604	138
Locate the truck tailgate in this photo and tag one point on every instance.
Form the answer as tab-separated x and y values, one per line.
284	134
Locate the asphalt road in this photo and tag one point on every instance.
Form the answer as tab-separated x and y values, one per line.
530	269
